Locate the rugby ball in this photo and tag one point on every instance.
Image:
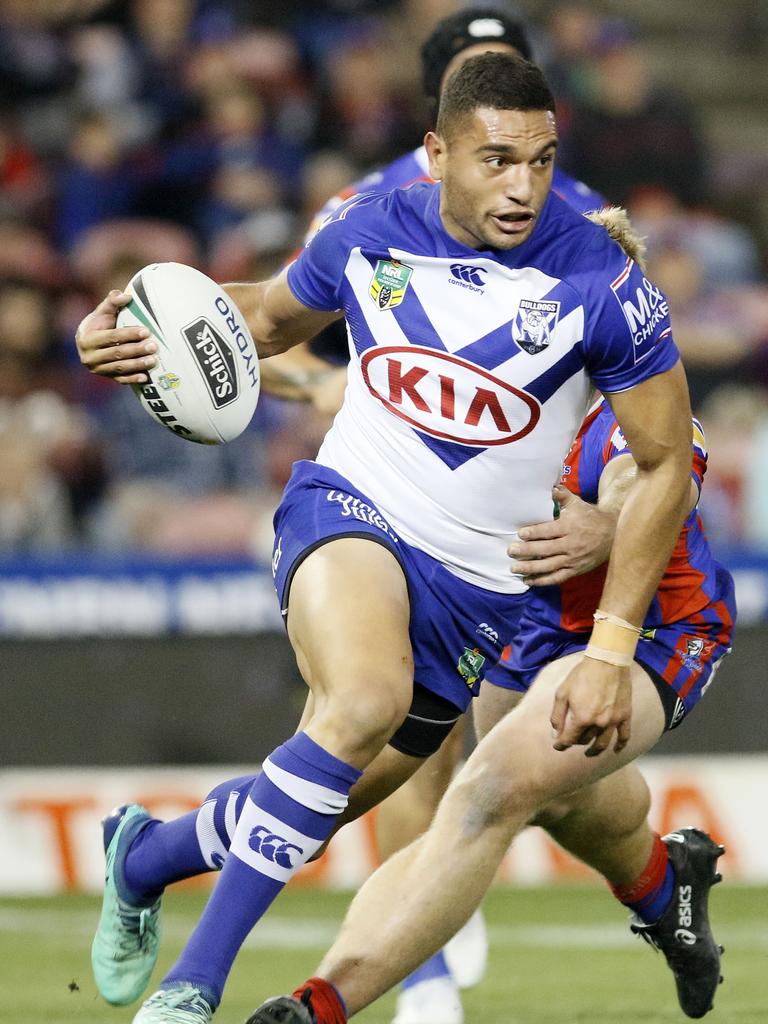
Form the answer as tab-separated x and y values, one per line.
205	383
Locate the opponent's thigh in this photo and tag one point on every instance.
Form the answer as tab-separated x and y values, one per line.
521	772
491	705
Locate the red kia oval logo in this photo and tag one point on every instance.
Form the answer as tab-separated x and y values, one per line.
448	397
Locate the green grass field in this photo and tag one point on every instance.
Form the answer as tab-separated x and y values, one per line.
558	956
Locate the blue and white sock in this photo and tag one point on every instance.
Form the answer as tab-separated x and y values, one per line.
288	814
435	967
168	851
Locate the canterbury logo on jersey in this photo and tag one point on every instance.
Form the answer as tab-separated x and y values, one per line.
471	277
448	397
274	848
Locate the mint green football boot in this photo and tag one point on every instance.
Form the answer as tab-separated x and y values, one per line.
177	1004
126	943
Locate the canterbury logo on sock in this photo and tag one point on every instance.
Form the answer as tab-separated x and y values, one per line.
270	845
275	848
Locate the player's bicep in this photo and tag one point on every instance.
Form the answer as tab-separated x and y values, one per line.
655	418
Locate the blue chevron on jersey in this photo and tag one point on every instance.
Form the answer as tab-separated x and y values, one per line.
463	398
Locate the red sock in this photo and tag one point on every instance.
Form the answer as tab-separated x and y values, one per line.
324	1001
649	894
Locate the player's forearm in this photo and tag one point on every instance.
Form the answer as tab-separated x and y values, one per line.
251	300
276	319
294	374
648	526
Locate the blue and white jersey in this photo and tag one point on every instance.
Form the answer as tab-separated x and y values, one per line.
470	371
414	166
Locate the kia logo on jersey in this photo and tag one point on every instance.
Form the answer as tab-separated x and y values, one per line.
448	397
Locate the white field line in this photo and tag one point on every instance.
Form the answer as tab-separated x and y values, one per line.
62	927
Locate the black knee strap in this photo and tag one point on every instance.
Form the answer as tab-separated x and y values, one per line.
426	725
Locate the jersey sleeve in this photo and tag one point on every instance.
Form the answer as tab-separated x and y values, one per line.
315	277
700	455
628	334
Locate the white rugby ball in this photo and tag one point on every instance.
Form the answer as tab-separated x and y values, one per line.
205	384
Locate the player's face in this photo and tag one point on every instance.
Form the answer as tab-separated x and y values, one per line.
496	169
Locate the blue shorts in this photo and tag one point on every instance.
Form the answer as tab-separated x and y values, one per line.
457	629
680	657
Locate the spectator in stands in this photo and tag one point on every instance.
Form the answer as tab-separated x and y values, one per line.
632	132
735	498
97	181
371	109
50	467
23	180
707	267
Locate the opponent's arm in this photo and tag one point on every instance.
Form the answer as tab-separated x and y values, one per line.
581	537
301	376
276	318
594	701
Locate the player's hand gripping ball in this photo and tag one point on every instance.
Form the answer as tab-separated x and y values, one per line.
205	383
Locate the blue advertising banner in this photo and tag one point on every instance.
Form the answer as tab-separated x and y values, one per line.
87	595
92	595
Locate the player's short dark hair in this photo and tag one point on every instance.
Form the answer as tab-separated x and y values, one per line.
460	31
501	81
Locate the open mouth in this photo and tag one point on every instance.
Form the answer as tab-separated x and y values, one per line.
513	223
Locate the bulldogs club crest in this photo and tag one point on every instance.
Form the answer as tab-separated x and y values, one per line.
389	282
532	327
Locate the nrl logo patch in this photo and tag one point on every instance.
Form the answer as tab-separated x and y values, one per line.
389	282
470	665
532	327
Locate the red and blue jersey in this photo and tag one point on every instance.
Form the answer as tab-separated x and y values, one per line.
690	581
689	625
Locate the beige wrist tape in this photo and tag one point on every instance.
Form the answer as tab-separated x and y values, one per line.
601	616
611	657
609	637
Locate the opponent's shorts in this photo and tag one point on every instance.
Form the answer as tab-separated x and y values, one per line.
457	629
681	658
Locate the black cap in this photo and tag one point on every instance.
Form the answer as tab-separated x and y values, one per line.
460	31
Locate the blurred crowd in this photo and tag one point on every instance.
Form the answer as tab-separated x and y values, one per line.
210	132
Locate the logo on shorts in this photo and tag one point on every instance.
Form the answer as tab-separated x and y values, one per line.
470	665
274	848
533	325
277	554
389	282
695	649
362	511
678	714
648	634
694	646
487	631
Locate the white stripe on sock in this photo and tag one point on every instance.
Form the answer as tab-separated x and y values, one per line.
213	850
308	794
269	845
230	814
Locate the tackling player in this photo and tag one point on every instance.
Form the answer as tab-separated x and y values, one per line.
390	553
595	807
